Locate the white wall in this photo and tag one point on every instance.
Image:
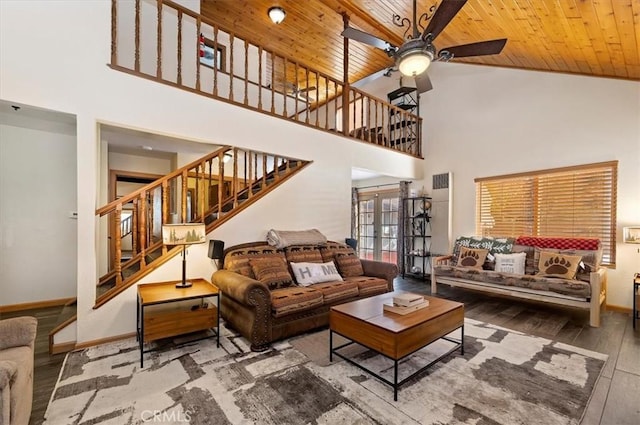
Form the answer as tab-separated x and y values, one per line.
37	193
484	121
82	84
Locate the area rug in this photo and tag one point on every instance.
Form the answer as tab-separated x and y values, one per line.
504	377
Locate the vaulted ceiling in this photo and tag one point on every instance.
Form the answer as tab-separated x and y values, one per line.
587	37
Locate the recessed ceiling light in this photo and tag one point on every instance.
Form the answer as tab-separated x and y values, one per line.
147	148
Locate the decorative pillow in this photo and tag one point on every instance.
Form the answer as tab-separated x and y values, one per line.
511	263
472	258
303	254
558	265
492	245
272	272
349	265
309	273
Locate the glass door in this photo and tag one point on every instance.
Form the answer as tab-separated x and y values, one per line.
378	226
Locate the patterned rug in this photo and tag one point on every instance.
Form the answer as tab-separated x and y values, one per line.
504	377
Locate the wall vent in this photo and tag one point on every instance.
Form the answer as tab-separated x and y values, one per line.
441	181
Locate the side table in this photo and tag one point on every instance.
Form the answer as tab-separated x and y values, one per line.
636	298
164	311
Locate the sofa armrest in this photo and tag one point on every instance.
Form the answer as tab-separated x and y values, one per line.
242	289
18	331
387	271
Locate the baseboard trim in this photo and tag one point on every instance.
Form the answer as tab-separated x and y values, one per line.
95	342
34	305
64	347
619	308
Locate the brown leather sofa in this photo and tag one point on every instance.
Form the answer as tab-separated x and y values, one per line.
264	314
17	337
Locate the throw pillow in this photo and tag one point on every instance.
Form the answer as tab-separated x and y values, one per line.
272	272
472	258
349	265
309	273
511	263
558	265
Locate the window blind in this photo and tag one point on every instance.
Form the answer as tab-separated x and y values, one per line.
575	201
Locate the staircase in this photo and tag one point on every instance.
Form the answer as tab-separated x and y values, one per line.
210	190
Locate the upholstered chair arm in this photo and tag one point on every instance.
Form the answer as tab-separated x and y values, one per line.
387	271
241	288
18	331
7	370
442	260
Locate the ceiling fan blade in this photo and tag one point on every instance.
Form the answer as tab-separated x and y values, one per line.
367	38
481	48
444	14
306	89
423	83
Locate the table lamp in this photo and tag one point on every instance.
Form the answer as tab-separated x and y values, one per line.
184	234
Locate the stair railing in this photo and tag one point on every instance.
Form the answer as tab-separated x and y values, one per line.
208	190
167	43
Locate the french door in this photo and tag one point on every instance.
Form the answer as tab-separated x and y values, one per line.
378	226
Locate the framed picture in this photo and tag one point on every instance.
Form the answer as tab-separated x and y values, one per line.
631	234
213	56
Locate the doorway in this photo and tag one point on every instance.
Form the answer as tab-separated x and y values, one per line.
378	226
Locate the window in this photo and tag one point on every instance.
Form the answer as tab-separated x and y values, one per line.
575	201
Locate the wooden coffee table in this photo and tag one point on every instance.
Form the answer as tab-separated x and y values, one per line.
393	335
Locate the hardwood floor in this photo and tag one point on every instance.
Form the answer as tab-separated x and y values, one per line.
614	401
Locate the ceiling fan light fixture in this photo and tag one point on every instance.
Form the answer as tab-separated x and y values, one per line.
414	62
276	14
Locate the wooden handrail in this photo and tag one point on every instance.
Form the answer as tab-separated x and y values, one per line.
186	195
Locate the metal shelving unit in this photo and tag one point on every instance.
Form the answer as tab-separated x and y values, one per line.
417	244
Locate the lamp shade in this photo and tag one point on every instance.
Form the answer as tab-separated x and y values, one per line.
414	63
183	234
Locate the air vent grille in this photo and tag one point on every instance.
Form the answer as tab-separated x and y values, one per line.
441	181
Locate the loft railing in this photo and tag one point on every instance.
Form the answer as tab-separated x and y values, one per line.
210	190
165	42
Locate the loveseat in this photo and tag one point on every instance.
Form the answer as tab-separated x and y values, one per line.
17	336
564	271
265	299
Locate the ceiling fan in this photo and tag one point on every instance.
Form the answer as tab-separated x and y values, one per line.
415	55
300	93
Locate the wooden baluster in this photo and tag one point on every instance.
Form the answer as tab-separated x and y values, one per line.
114	32
295	100
215	53
246	72
234	182
117	260
375	111
220	182
284	83
143	229
306	120
134	227
183	197
159	42
231	70
264	170
165	208
198	32
362	123
273	83
317	96
136	65
260	78
179	80
250	174
326	103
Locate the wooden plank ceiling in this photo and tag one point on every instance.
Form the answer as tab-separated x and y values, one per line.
587	37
